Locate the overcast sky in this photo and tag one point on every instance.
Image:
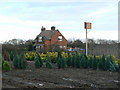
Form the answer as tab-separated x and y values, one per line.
24	19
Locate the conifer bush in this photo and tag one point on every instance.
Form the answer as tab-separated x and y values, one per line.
90	62
77	60
48	63
23	62
108	64
16	61
19	61
102	63
73	60
94	65
113	62
112	68
119	66
84	62
69	60
37	62
63	63
40	60
59	63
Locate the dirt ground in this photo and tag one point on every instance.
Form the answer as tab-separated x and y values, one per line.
59	78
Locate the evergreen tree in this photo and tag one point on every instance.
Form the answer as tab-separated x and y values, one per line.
37	62
108	64
82	62
59	62
102	63
119	67
94	65
112	68
73	60
113	62
16	61
69	60
19	62
77	60
30	47
40	60
48	63
11	56
23	62
59	55
91	62
63	64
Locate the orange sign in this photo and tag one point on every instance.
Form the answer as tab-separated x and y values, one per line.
87	25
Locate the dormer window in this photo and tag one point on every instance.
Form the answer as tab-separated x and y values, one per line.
40	39
59	38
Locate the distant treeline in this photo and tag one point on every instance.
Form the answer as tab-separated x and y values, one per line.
95	47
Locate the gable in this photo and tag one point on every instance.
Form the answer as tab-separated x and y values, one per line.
57	33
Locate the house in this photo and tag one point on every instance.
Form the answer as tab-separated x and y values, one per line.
50	39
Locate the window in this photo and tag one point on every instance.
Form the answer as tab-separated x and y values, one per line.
60	46
40	39
37	47
64	46
59	38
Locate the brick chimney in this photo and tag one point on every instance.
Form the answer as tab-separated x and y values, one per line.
42	29
53	28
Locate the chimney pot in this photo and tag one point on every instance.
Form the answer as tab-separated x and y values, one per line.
42	29
53	28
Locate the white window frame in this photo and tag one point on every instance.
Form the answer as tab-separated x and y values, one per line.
59	38
40	39
60	46
64	46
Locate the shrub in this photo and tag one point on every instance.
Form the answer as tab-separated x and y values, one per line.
6	66
30	47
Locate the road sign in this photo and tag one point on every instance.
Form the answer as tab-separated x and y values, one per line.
87	25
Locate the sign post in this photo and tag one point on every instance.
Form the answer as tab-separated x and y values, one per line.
87	26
